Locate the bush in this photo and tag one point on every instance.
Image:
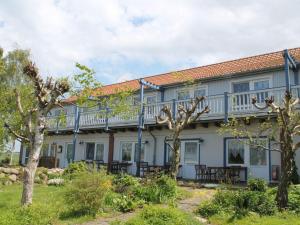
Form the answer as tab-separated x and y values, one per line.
75	169
208	209
157	215
86	193
157	190
256	184
125	183
294	199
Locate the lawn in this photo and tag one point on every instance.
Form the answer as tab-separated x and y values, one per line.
48	203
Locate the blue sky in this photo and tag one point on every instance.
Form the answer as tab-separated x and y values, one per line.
127	39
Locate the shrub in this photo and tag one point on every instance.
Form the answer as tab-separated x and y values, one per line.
124	203
256	184
157	215
157	190
75	169
125	183
86	193
208	209
294	199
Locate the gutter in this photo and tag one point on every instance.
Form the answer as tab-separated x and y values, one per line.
155	149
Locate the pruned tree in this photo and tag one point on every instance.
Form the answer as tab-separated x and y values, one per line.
46	95
282	126
185	117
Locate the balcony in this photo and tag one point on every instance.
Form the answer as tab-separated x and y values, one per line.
231	104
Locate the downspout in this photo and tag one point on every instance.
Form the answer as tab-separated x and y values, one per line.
155	149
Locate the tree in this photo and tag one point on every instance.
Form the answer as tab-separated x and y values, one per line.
45	96
282	132
186	116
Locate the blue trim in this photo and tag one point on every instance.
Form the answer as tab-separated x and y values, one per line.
270	167
225	107
199	158
140	129
174	108
287	71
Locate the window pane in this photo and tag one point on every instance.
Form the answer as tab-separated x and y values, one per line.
53	150
199	92
90	151
142	152
236	151
100	152
45	149
69	152
150	99
260	85
126	151
136	100
258	155
190	152
241	87
183	95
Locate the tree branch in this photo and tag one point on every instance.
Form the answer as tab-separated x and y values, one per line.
18	136
19	105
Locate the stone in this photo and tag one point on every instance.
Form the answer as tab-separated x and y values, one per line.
57	181
13	177
2	175
9	170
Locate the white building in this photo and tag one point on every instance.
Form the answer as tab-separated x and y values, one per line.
228	87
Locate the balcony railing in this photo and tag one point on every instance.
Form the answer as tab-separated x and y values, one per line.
238	104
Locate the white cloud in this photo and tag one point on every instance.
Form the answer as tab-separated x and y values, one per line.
170	32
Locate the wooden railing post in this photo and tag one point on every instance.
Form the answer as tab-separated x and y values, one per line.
225	107
174	108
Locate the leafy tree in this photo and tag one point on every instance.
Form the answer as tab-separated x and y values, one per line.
282	127
177	124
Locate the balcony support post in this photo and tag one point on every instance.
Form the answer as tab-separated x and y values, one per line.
106	118
174	108
289	61
76	130
225	107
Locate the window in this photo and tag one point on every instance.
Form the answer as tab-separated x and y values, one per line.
136	151
45	149
136	100
170	153
191	152
258	155
241	87
99	151
53	150
126	151
150	100
183	95
26	154
236	152
90	151
69	153
199	92
261	85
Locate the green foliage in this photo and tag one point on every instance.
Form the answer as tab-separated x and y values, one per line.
294	199
256	184
124	203
86	193
208	209
158	215
75	169
157	190
124	183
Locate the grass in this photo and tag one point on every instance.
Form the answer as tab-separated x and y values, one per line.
285	218
47	201
15	158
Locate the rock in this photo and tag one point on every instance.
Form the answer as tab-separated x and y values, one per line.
14	171
12	177
2	175
57	181
9	170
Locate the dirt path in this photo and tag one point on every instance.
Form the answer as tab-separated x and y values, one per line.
187	205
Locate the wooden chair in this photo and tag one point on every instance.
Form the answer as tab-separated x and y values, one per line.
115	168
98	164
201	172
234	174
144	168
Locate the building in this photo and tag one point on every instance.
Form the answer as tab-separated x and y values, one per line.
228	86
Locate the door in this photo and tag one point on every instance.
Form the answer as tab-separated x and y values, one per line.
189	158
69	154
241	153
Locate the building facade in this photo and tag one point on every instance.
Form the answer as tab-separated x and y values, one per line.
228	87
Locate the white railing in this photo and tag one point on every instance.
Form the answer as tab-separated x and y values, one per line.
238	104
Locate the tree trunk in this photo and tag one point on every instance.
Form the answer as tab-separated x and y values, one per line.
30	169
176	159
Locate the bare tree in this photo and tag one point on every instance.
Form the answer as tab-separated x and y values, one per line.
46	96
185	117
288	120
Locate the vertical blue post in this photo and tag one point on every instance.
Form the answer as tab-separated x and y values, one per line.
174	109
76	129
162	95
140	130
106	118
225	107
287	71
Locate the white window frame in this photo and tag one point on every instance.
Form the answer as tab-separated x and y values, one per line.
95	149
266	151
183	152
145	97
66	151
95	153
133	143
191	91
251	82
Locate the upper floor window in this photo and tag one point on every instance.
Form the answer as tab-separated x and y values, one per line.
150	99
261	84
246	86
241	87
199	92
183	95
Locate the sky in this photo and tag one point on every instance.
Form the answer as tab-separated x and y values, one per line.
128	39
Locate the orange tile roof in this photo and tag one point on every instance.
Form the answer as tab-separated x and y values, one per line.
243	65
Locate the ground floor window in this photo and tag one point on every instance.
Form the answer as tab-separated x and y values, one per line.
100	152
90	151
236	152
191	152
258	153
129	151
94	151
45	149
69	152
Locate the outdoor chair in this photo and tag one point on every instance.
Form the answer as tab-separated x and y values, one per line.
234	174
115	167
201	172
144	168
